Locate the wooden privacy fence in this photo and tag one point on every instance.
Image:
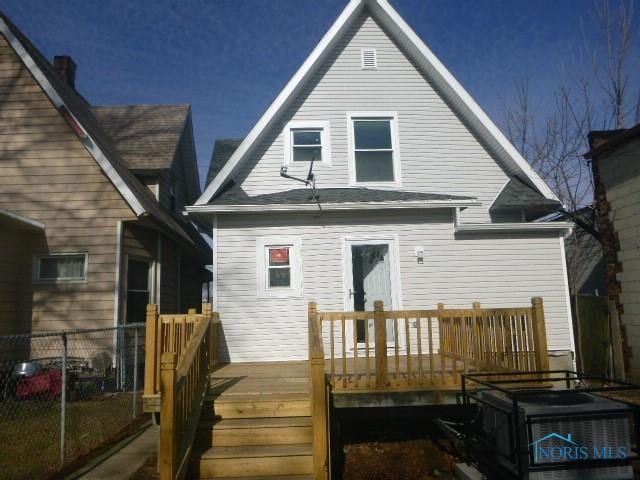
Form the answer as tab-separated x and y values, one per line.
414	349
171	333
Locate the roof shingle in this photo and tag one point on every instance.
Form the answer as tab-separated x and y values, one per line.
146	136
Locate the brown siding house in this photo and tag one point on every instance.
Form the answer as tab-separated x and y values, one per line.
90	201
615	160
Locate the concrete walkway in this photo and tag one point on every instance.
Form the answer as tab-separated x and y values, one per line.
122	460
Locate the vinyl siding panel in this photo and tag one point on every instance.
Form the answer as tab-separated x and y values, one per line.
46	174
497	270
438	153
620	172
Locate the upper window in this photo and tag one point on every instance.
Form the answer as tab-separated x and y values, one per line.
306	145
60	268
279	266
307	141
374	149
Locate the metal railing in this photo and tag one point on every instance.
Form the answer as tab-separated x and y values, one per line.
64	394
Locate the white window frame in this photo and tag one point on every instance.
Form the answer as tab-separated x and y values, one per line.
325	140
295	263
36	268
395	145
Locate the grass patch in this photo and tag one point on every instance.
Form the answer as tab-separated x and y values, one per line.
30	432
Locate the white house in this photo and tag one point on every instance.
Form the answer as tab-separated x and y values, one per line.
418	198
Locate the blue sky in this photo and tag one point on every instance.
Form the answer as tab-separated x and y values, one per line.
230	58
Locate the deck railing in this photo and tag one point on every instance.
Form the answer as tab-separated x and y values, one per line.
382	351
412	349
180	352
171	333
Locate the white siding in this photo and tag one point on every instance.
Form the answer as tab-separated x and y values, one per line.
620	172
497	270
438	153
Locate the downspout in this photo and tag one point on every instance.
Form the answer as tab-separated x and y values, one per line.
118	279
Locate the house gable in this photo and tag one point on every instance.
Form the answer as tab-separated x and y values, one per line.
433	139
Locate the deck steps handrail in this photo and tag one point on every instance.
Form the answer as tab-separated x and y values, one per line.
170	333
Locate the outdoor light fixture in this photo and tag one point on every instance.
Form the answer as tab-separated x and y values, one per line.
420	255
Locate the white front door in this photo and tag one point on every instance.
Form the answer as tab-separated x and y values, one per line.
370	269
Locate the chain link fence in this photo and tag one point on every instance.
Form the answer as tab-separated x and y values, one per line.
64	394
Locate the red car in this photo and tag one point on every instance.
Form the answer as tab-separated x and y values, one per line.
43	384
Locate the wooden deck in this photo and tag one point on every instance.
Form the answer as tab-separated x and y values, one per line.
247	420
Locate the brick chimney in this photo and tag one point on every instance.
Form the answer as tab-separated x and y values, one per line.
66	68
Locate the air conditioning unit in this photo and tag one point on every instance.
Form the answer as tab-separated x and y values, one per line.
562	435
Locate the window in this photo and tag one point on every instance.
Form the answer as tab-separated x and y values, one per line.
369	59
307	145
138	289
305	141
374	149
279	266
60	268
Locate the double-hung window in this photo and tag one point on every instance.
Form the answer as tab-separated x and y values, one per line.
374	155
62	267
279	266
305	141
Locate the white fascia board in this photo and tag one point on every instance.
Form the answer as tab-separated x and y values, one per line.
25	221
318	54
331	206
89	142
522	227
466	99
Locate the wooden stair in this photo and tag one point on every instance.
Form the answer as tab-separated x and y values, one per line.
254	433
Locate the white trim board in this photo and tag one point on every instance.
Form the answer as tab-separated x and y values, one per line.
422	55
89	143
25	221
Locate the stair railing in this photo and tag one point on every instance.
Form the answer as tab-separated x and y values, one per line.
183	386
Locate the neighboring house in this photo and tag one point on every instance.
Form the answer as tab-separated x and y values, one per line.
615	160
585	259
90	201
418	198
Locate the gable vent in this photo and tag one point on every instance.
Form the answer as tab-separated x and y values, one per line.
369	59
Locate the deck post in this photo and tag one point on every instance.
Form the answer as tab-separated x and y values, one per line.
168	433
319	402
207	311
441	341
380	331
539	334
151	355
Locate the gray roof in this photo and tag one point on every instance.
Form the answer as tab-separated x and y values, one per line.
146	136
81	110
518	195
222	151
236	196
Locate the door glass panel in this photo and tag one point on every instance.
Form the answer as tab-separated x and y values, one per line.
371	282
137	291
